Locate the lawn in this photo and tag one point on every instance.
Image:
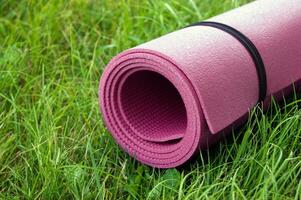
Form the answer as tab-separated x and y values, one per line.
53	143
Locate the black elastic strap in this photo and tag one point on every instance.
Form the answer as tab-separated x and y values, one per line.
251	48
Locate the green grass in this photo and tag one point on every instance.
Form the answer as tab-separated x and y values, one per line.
53	144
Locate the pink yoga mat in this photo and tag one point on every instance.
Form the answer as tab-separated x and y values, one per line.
165	99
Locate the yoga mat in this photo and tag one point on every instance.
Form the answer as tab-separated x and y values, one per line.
166	99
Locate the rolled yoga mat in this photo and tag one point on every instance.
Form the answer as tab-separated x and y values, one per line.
166	99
